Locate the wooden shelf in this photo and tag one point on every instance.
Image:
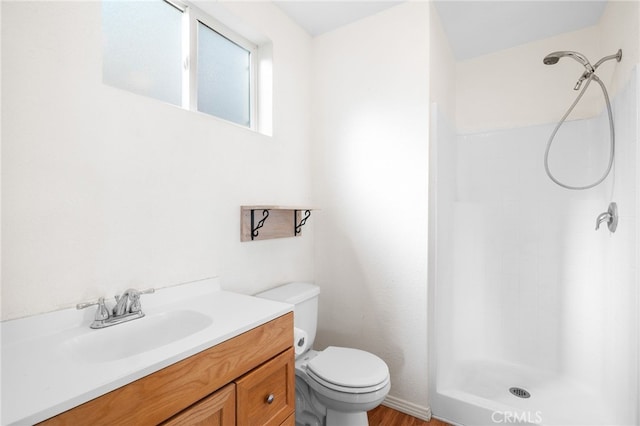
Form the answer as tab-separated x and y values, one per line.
267	222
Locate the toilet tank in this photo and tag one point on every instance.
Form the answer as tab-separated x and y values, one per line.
304	297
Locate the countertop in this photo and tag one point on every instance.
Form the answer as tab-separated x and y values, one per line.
44	374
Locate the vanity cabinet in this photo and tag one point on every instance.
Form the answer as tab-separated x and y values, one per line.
246	380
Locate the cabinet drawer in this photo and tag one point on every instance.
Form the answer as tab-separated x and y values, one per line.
218	409
291	421
266	395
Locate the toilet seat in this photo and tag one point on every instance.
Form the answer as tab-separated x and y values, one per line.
348	370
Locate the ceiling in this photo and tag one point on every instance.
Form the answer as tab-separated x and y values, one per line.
473	28
318	17
476	28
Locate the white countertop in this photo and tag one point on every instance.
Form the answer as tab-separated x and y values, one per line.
44	373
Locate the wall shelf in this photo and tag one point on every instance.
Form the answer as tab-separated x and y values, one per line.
267	222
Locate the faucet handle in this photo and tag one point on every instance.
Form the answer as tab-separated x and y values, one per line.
135	305
102	313
610	217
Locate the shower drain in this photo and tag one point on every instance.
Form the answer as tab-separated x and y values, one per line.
519	392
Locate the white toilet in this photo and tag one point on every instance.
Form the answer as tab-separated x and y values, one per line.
336	386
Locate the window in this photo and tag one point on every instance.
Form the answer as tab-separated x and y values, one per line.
224	77
142	48
176	53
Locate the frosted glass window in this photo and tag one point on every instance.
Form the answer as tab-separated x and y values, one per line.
142	48
223	77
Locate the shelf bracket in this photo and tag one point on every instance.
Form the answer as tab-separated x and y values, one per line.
298	226
254	227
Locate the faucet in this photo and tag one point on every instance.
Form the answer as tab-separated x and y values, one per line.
121	302
610	217
120	313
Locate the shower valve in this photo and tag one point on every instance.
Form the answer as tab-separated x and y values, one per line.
610	217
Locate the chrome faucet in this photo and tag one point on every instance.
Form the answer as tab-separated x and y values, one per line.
121	302
610	217
121	312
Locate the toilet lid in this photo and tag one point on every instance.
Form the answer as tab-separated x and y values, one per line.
347	367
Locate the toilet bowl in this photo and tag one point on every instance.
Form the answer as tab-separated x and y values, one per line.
336	386
348	382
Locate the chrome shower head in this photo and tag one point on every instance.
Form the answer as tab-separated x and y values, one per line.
551	59
554	57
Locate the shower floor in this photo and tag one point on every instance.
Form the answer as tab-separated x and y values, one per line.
483	387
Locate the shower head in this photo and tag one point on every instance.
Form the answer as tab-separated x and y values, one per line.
554	57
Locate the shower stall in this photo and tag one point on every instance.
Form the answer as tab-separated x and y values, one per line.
534	314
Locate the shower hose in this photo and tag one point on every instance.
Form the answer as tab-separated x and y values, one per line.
562	120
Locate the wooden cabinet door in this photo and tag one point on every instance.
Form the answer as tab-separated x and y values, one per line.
266	395
217	409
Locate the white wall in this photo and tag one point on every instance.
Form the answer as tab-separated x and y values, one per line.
537	93
370	133
619	29
442	72
103	189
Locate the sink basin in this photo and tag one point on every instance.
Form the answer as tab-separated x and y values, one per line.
138	336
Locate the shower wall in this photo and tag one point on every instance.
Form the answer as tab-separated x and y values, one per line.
525	279
522	283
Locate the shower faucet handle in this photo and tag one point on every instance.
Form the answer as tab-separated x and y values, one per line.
603	217
610	217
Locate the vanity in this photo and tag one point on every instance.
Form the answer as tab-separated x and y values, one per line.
203	356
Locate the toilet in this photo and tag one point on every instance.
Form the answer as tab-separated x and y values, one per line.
336	386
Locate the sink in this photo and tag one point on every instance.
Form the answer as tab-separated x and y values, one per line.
138	336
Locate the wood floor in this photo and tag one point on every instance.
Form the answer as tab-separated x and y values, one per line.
385	416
